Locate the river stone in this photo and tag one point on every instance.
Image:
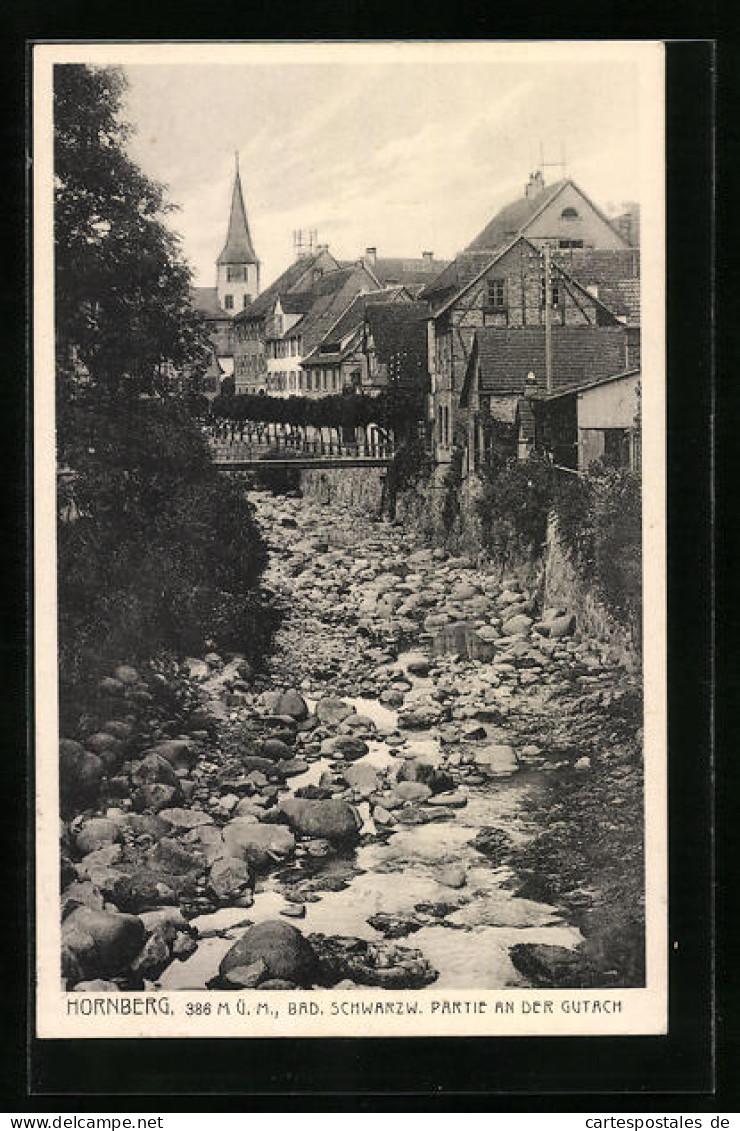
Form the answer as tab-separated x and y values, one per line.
153	768
561	626
332	711
167	921
177	751
348	748
412	791
497	759
80	775
229	877
185	818
119	728
260	845
417	664
332	820
124	673
437	780
154	796
99	943
275	750
170	856
453	876
95	986
292	703
100	858
96	833
552	967
361	777
246	977
281	947
81	893
517	624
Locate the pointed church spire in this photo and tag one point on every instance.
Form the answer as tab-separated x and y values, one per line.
238	247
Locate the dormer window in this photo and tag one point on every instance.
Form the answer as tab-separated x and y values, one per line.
569	214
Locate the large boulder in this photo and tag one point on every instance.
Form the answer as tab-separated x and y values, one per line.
178	752
260	845
96	833
99	943
293	704
346	747
154	797
283	949
332	711
80	775
153	768
332	820
229	878
437	780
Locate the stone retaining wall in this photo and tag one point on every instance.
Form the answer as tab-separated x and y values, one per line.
360	487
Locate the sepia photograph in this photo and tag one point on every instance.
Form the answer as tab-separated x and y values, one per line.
349	394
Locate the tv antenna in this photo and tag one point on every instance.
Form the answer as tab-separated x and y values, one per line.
562	164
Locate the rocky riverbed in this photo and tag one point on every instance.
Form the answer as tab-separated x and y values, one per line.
370	810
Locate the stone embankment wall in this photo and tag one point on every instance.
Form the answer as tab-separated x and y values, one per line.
563	586
441	517
360	487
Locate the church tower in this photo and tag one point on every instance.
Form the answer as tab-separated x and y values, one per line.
237	267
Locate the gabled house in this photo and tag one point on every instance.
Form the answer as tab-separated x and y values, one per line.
394	346
559	215
515	287
250	325
337	363
504	401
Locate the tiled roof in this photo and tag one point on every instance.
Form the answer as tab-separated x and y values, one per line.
331	302
615	275
456	275
412	271
510	220
399	333
579	354
292	279
205	301
352	318
298	303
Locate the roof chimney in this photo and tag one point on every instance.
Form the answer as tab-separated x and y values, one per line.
428	255
371	254
535	184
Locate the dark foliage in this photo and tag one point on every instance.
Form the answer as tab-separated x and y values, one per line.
158	551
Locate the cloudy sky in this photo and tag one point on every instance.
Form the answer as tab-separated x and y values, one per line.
404	156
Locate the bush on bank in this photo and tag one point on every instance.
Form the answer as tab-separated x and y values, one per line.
156	551
598	518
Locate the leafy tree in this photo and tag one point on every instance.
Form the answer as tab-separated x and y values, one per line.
123	310
156	550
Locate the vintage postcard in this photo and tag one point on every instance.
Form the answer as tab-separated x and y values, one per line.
349	473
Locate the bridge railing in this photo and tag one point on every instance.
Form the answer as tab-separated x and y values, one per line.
232	451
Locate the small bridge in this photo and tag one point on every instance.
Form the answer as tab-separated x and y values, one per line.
302	455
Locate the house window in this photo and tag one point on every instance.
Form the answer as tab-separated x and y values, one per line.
554	294
229	302
569	214
497	292
570	243
309	383
236	274
246	299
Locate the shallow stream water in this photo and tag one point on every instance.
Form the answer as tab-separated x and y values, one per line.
469	946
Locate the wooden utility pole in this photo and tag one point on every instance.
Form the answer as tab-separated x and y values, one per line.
548	320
